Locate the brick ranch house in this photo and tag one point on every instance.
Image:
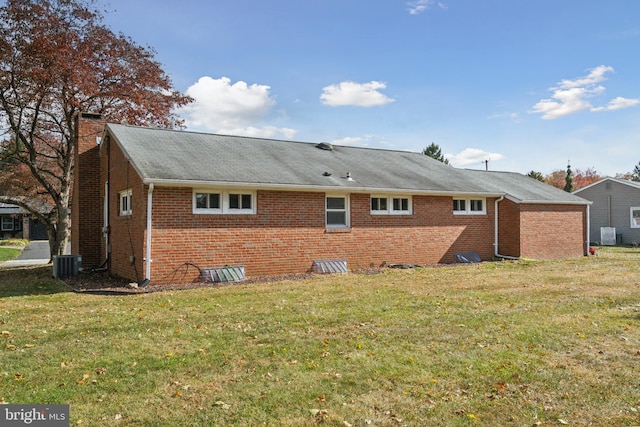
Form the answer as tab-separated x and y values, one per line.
158	205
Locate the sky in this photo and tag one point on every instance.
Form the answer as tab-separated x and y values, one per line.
526	85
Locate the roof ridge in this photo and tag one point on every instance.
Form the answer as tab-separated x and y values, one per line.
355	147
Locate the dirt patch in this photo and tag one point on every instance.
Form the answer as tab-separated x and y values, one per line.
103	282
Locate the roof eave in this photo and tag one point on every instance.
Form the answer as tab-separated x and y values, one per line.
312	188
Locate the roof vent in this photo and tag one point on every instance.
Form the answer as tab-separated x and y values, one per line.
325	146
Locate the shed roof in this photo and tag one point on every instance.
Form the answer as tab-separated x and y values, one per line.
180	158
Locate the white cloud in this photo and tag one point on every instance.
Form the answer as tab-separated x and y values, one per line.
350	141
362	141
356	94
416	7
470	156
514	117
619	103
595	76
222	107
571	96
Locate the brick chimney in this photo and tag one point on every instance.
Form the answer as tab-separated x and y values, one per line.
86	205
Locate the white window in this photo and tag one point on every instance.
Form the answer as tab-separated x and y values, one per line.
635	217
7	223
224	202
469	207
379	205
125	202
390	205
207	202
337	211
241	202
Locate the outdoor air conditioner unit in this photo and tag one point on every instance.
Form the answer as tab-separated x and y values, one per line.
607	236
66	266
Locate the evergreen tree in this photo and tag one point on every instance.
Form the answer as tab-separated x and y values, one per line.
435	152
536	175
568	186
635	176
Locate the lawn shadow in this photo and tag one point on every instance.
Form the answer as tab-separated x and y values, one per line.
34	280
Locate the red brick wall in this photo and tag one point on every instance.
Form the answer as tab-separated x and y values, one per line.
288	233
508	228
126	233
86	205
552	231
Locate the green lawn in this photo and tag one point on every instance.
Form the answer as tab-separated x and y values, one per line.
9	253
492	344
11	248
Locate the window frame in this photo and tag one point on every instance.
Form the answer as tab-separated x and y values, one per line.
225	202
390	205
2	223
468	208
207	210
634	223
346	210
125	196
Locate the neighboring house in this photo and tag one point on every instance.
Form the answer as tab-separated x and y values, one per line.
11	219
616	204
154	204
17	223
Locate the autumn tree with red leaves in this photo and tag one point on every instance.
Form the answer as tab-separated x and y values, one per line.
580	178
57	58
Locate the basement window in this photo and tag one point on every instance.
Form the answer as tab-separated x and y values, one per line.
337	211
469	207
635	217
224	202
125	202
390	205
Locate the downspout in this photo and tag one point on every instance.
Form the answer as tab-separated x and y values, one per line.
495	244
147	258
588	228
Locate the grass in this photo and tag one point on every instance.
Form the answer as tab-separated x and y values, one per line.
9	253
11	248
512	343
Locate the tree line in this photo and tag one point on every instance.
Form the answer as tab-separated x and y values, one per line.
568	180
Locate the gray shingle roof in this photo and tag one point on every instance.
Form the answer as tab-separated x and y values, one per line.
170	157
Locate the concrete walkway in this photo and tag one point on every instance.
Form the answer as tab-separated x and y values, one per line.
35	253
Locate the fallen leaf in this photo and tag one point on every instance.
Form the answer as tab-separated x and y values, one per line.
222	405
7	334
563	422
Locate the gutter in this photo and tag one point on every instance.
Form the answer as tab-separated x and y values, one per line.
495	244
147	258
313	188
